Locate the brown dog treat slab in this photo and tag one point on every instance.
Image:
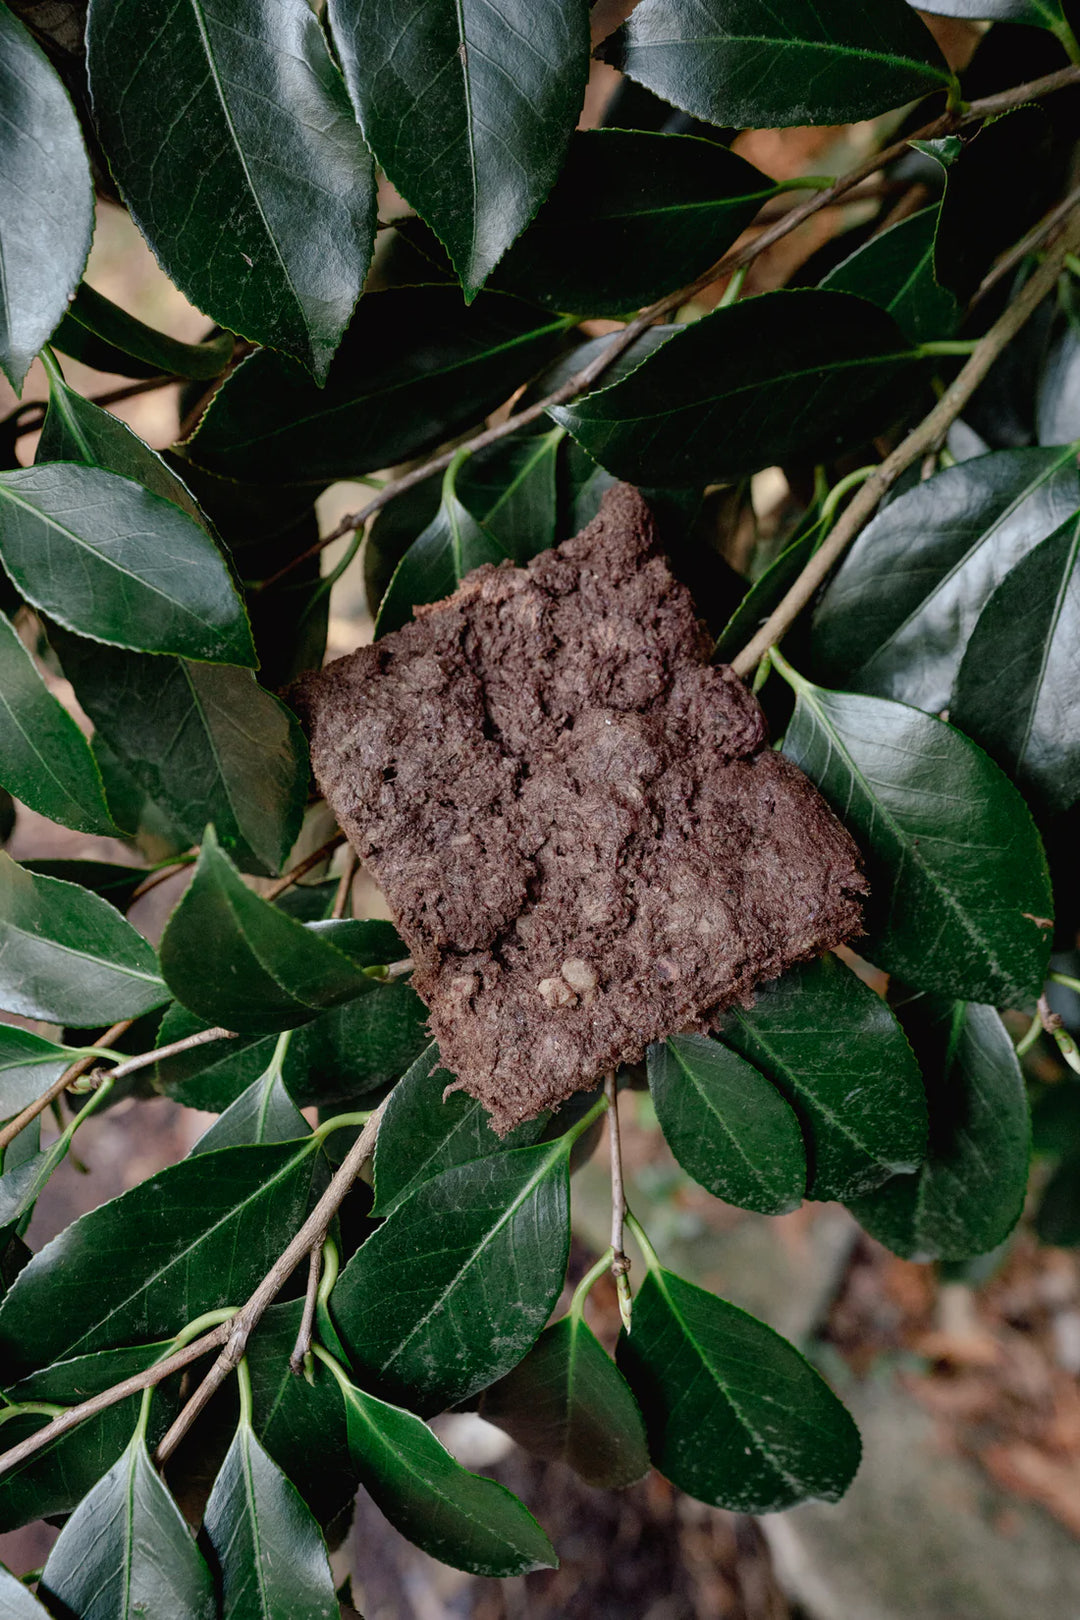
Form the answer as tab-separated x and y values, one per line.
575	818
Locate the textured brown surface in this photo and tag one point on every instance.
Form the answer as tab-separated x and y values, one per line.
575	818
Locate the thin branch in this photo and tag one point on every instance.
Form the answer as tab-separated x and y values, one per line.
57	1089
620	1262
162	875
398	970
302	1347
947	124
344	889
246	1319
302	868
926	437
144	1060
1027	244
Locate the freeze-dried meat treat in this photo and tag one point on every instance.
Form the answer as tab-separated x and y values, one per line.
575	818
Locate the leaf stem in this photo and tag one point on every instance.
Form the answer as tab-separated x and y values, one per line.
1065	979
243	1381
587	1283
652	1259
1029	1037
948	346
57	1089
832	500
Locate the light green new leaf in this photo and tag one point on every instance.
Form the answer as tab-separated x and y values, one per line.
737	62
126	1552
460	1518
1018	689
959	889
231	137
735	1416
469	107
67	956
44	758
968	1195
269	1557
727	1126
236	960
107	559
46	199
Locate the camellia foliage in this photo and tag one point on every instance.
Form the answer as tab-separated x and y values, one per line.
918	382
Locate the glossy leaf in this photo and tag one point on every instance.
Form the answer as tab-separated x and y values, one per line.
76	429
204	741
959	889
56	1478
968	1195
28	1066
451	546
632	216
126	1551
67	956
263	1113
101	334
433	1325
895	270
735	62
513	492
22	1186
209	1229
105	558
46	199
269	1558
231	137
235	960
766	594
112	881
44	758
838	1054
1059	390
944	545
787	374
1018	689
17	1602
735	1416
567	1402
727	1126
457	1517
1039	13
469	108
426	1132
415	368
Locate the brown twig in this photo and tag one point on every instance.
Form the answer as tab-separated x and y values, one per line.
162	875
344	888
302	868
1027	244
926	437
246	1319
620	1261
57	1089
947	124
302	1348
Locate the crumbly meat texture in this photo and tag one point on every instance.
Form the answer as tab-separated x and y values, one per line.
575	818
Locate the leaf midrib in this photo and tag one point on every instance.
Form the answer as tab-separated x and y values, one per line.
792	42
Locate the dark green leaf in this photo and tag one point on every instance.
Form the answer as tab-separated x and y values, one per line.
632	216
727	1126
787	374
231	137
968	1195
368	941
237	961
1039	13
22	1186
434	1324
568	1402
101	334
451	546
734	1414
263	1113
415	368
56	1478
104	557
78	430
46	199
28	1066
127	1553
1018	689
269	1559
1058	1220
512	491
67	956
469	108
959	888
736	62
204	741
289	1412
425	1133
16	1602
44	758
838	1054
113	882
209	1229
895	270
211	1077
766	593
943	547
457	1517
